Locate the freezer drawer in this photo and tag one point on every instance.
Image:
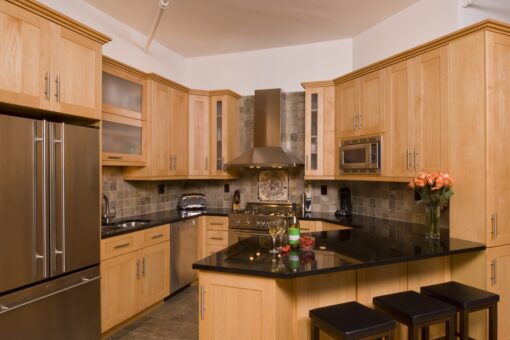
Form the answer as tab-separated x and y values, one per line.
61	309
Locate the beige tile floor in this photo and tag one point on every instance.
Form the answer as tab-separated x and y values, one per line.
176	319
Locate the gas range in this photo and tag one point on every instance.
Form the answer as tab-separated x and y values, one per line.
258	216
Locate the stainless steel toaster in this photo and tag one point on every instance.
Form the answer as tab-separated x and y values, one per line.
191	201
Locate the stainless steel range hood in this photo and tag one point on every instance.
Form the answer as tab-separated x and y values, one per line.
267	151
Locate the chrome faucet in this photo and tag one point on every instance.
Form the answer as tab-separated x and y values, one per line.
108	215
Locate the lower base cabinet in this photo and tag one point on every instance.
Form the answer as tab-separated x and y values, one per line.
498	281
135	280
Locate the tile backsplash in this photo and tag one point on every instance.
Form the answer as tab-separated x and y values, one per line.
386	200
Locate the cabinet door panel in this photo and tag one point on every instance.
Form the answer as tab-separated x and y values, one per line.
160	126
314	132
218	135
119	289
347	109
198	135
498	274
371	113
430	104
25	62
76	74
498	125
399	139
155	274
178	133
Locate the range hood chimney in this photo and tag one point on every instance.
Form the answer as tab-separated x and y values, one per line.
267	151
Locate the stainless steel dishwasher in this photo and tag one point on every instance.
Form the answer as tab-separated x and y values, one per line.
183	252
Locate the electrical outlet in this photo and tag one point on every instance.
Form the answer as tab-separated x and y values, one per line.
161	189
226	187
324	190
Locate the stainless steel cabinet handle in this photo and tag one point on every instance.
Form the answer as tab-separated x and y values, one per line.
156	236
494	220
57	92
493	273
122	245
47	88
143	267
114	157
360	120
175	163
416	160
138	269
216	223
206	163
202	302
216	238
355	123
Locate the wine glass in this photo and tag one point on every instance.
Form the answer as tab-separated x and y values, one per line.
273	231
281	231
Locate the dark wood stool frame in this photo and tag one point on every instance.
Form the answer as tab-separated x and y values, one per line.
317	325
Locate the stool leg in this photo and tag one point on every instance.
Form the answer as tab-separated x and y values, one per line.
425	333
315	331
493	322
449	329
412	333
463	325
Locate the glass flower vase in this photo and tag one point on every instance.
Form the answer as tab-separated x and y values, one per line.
432	214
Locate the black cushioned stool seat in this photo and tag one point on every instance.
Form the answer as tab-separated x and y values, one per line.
417	311
466	299
351	320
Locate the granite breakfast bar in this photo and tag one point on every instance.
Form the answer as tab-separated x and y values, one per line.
246	290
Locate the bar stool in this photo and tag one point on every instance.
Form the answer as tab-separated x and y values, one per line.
417	311
466	299
351	320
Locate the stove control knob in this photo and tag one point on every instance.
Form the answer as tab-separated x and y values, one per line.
238	222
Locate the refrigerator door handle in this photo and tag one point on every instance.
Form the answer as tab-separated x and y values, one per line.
84	280
40	204
57	199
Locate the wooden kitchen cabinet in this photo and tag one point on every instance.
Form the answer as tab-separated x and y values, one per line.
498	281
199	135
418	115
320	155
231	305
178	133
135	273
361	105
49	66
224	132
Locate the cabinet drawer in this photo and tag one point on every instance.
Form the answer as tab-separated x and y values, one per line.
217	223
217	237
307	226
213	248
155	235
119	245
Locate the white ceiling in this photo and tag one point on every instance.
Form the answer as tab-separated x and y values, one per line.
206	27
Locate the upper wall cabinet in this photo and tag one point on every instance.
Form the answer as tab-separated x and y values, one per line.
224	130
199	135
319	131
46	65
418	115
361	106
124	125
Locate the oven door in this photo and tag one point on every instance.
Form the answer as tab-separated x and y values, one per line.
237	235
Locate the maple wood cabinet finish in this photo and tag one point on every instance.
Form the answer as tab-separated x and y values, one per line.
47	65
224	133
319	131
135	273
199	136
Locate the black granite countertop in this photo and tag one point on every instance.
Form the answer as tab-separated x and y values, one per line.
372	242
157	219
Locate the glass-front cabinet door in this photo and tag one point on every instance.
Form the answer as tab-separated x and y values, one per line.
124	105
219	130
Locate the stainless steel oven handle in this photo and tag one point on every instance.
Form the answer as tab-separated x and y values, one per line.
84	280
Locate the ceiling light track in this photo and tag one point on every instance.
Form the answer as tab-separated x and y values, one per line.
163	5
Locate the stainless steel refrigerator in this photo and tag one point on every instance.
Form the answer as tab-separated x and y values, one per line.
49	230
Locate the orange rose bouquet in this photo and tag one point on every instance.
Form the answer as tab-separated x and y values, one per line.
435	191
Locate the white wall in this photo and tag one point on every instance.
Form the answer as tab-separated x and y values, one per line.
283	68
127	44
417	24
484	9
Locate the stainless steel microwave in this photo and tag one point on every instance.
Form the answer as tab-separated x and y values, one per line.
360	155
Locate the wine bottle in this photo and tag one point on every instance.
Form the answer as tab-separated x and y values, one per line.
294	229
